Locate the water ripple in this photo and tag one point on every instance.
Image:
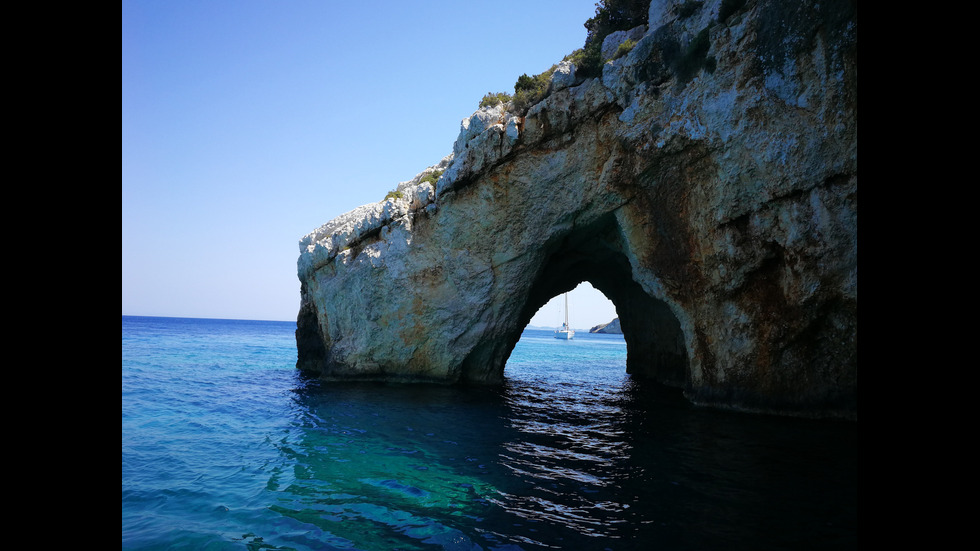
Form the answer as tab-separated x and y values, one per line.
226	446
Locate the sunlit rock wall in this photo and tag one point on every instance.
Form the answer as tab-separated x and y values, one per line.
707	181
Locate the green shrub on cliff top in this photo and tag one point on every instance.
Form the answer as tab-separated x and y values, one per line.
610	16
616	15
493	99
588	60
531	90
431	178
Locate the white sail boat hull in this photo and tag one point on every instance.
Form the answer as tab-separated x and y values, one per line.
566	333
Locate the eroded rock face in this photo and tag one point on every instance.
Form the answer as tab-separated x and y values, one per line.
706	184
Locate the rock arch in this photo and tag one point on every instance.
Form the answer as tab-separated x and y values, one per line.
716	206
595	253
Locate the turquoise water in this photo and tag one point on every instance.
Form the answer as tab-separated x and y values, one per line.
226	446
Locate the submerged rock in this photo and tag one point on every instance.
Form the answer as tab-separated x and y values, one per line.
706	184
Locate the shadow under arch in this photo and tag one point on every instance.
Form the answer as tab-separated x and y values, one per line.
595	253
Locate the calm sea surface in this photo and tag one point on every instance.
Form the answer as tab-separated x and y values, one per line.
225	445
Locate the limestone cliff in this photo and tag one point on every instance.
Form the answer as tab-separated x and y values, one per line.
611	328
706	183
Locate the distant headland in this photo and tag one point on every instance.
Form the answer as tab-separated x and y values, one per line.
611	328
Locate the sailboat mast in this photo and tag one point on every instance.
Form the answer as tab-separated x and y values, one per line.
566	310
565	332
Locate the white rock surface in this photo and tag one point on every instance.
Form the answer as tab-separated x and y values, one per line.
612	41
563	77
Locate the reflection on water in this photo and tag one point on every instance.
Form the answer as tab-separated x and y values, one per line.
558	459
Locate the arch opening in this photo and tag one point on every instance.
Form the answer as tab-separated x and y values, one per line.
588	308
595	254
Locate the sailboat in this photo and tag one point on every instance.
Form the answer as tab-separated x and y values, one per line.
566	332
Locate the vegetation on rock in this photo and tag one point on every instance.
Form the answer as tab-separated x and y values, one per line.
493	99
610	16
624	48
431	178
531	90
588	60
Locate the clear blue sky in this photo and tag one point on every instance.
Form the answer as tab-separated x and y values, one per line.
248	123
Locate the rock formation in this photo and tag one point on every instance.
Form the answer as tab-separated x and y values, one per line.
611	328
706	183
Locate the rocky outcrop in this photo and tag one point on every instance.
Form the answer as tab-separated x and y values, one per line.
611	328
706	183
612	42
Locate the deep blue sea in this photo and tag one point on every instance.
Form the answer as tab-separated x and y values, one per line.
225	445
